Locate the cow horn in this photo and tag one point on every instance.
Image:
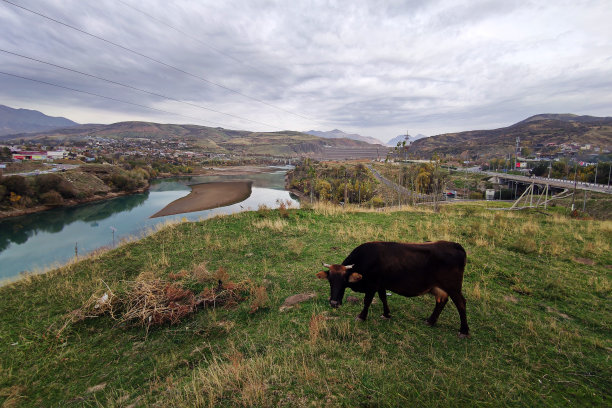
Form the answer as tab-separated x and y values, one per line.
349	266
326	265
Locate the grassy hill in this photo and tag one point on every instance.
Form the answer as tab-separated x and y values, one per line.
537	290
534	131
283	143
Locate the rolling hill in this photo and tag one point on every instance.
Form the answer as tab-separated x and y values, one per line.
14	121
536	132
217	140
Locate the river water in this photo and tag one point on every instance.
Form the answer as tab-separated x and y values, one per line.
38	241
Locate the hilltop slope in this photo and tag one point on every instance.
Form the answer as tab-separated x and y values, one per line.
533	131
539	318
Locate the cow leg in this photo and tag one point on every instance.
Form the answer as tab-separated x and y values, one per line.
382	294
459	301
367	301
436	312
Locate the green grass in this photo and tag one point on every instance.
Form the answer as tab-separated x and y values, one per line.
539	315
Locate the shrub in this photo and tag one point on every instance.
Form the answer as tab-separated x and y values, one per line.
83	194
52	182
377	202
120	182
3	192
51	198
18	185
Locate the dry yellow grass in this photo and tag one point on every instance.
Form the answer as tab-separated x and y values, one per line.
296	246
529	227
360	232
276	224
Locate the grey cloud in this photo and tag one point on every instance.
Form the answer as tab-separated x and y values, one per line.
372	67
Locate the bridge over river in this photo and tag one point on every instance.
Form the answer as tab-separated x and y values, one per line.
552	182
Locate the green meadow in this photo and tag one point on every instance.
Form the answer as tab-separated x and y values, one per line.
538	305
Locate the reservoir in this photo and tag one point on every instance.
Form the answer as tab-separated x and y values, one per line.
38	241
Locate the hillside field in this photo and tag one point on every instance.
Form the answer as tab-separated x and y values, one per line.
538	305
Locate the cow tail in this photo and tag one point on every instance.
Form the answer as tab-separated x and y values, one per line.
460	248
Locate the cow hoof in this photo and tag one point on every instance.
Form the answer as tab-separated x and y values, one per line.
463	335
385	317
430	324
360	319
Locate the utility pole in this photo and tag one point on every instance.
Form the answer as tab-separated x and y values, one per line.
406	144
516	150
574	195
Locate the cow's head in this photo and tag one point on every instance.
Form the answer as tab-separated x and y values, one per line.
339	277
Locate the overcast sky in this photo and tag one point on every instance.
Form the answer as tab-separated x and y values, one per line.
377	68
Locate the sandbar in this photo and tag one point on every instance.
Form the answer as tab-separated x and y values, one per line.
208	195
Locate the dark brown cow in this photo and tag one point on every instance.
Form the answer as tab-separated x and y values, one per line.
406	269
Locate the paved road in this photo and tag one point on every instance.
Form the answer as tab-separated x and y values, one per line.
54	169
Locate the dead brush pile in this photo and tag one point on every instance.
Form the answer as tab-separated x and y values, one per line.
151	301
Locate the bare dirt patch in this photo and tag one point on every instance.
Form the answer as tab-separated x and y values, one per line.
295	299
584	261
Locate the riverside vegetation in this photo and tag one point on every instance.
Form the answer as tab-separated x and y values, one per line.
537	289
86	183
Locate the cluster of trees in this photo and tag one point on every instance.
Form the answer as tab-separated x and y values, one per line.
5	154
562	169
336	183
153	168
422	178
52	189
566	170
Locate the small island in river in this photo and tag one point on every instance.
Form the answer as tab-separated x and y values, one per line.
208	195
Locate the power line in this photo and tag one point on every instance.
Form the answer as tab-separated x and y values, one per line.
191	36
158	61
135	88
108	97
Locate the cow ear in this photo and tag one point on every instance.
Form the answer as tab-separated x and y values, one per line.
322	275
355	277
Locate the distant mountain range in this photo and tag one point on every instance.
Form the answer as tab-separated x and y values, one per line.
535	132
401	138
13	121
541	133
338	134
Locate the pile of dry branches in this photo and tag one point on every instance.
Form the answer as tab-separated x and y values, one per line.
156	302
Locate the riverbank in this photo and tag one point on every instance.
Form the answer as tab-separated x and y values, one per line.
36	241
208	195
68	203
212	171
